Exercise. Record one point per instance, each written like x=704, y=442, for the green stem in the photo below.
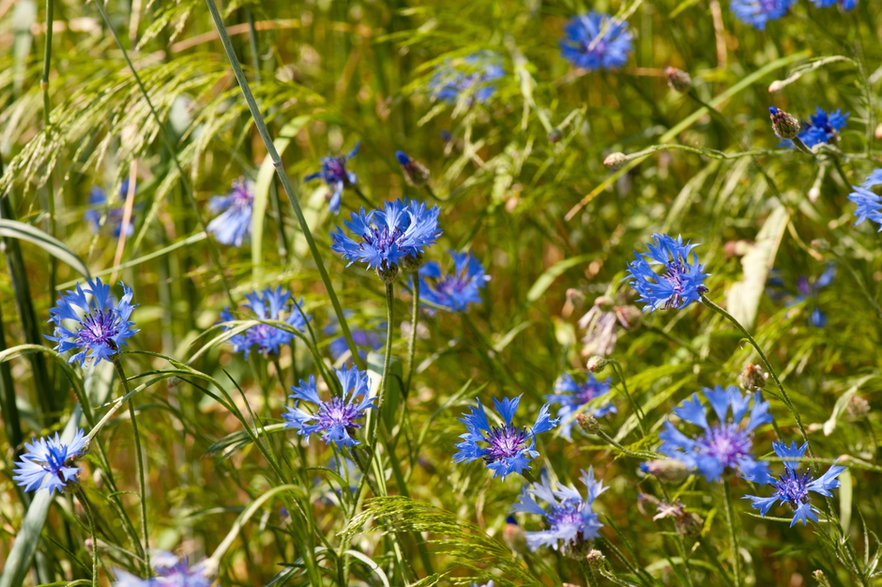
x=414, y=322
x=87, y=507
x=784, y=395
x=638, y=412
x=733, y=533
x=283, y=176
x=163, y=133
x=139, y=461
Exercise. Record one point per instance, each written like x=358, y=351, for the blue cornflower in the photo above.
x=233, y=225
x=759, y=12
x=338, y=178
x=596, y=41
x=869, y=205
x=569, y=517
x=46, y=463
x=454, y=291
x=114, y=217
x=680, y=282
x=337, y=418
x=269, y=304
x=87, y=320
x=793, y=487
x=386, y=238
x=725, y=445
x=805, y=290
x=573, y=395
x=509, y=448
x=824, y=128
x=170, y=572
x=415, y=172
x=845, y=4
x=469, y=78
x=364, y=339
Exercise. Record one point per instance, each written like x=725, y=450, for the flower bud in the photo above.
x=666, y=470
x=857, y=408
x=555, y=135
x=596, y=363
x=595, y=559
x=678, y=80
x=415, y=172
x=785, y=125
x=588, y=423
x=753, y=378
x=615, y=160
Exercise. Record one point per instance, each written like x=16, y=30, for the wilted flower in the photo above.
x=573, y=396
x=759, y=12
x=336, y=419
x=47, y=463
x=384, y=239
x=232, y=226
x=667, y=470
x=686, y=522
x=784, y=124
x=469, y=78
x=603, y=322
x=268, y=304
x=114, y=218
x=88, y=321
x=170, y=572
x=509, y=448
x=725, y=445
x=869, y=205
x=793, y=487
x=596, y=41
x=569, y=518
x=752, y=377
x=456, y=290
x=680, y=282
x=338, y=178
x=415, y=172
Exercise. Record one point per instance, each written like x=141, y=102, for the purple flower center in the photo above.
x=334, y=170
x=565, y=514
x=505, y=442
x=674, y=276
x=98, y=327
x=451, y=285
x=337, y=414
x=793, y=487
x=726, y=443
x=241, y=196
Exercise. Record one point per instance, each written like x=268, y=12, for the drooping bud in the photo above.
x=666, y=470
x=588, y=423
x=857, y=408
x=555, y=135
x=678, y=80
x=596, y=363
x=615, y=160
x=753, y=378
x=785, y=125
x=415, y=172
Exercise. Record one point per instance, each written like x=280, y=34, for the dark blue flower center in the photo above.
x=793, y=487
x=451, y=285
x=565, y=514
x=673, y=274
x=505, y=442
x=336, y=413
x=55, y=459
x=98, y=327
x=334, y=170
x=727, y=443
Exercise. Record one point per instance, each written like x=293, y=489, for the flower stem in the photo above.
x=784, y=395
x=414, y=322
x=87, y=507
x=139, y=460
x=638, y=412
x=733, y=533
x=283, y=176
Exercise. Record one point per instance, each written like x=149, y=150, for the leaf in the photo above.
x=50, y=244
x=846, y=491
x=743, y=297
x=546, y=279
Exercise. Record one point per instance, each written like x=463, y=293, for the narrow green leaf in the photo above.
x=50, y=244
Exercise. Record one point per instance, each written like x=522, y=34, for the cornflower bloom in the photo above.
x=384, y=239
x=336, y=419
x=845, y=4
x=725, y=445
x=573, y=395
x=596, y=41
x=509, y=448
x=268, y=304
x=869, y=205
x=363, y=338
x=170, y=572
x=456, y=290
x=759, y=12
x=806, y=289
x=470, y=78
x=46, y=463
x=232, y=226
x=336, y=176
x=823, y=128
x=793, y=487
x=569, y=517
x=88, y=321
x=114, y=218
x=681, y=281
